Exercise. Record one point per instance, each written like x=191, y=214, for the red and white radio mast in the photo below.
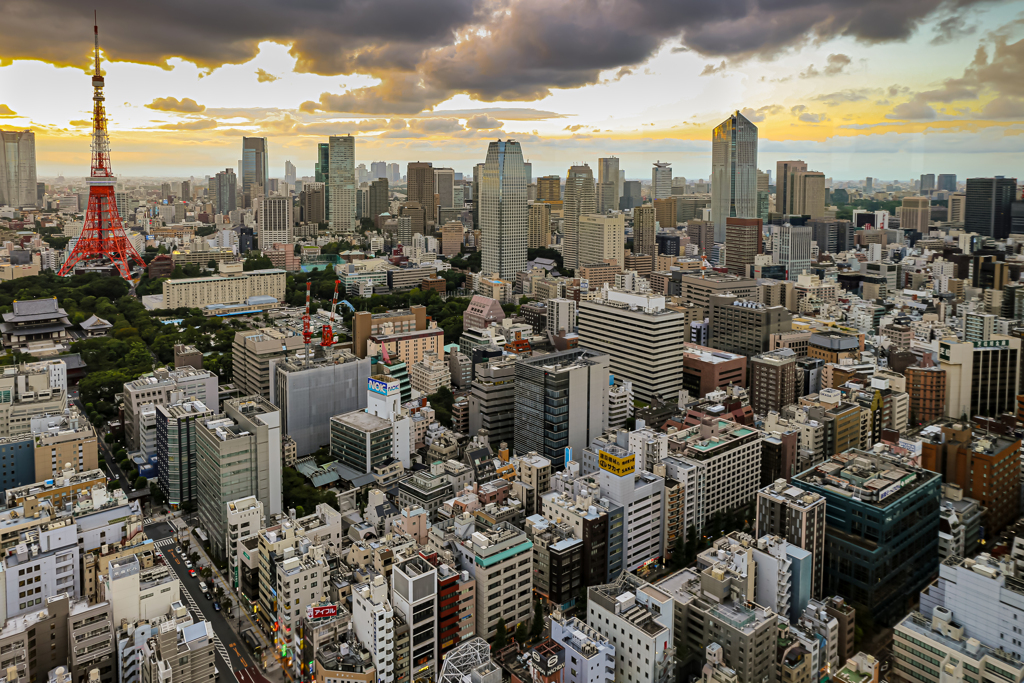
x=103, y=235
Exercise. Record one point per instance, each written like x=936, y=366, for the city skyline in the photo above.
x=828, y=89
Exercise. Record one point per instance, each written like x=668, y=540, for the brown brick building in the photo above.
x=926, y=385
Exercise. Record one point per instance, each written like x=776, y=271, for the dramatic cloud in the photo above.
x=185, y=105
x=808, y=117
x=951, y=28
x=999, y=74
x=263, y=77
x=483, y=122
x=428, y=52
x=199, y=124
x=6, y=112
x=1003, y=108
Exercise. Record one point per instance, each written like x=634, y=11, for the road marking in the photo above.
x=164, y=542
x=216, y=639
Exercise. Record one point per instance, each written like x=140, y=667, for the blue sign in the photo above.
x=377, y=387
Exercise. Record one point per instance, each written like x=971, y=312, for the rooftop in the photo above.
x=866, y=477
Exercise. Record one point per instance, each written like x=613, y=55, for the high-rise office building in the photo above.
x=378, y=169
x=661, y=180
x=608, y=172
x=539, y=225
x=606, y=199
x=378, y=199
x=561, y=400
x=746, y=327
x=322, y=171
x=783, y=193
x=18, y=168
x=223, y=188
x=312, y=201
x=957, y=208
x=915, y=214
x=773, y=381
x=186, y=193
x=987, y=210
x=794, y=249
x=927, y=182
x=444, y=187
x=176, y=450
x=763, y=184
x=341, y=183
x=420, y=187
x=601, y=238
x=946, y=182
x=274, y=221
x=743, y=235
x=631, y=197
x=644, y=240
x=733, y=172
x=289, y=173
x=580, y=200
x=503, y=210
x=665, y=212
x=254, y=168
x=549, y=188
x=869, y=185
x=808, y=191
x=238, y=454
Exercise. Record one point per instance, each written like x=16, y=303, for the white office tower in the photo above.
x=661, y=180
x=18, y=168
x=274, y=221
x=733, y=172
x=384, y=399
x=414, y=597
x=642, y=497
x=794, y=249
x=503, y=210
x=588, y=650
x=341, y=185
x=374, y=620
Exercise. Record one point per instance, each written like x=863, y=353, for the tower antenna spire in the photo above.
x=103, y=236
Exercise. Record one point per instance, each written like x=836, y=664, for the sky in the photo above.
x=883, y=88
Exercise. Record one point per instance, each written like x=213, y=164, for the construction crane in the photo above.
x=307, y=333
x=327, y=331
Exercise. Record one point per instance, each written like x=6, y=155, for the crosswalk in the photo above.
x=147, y=521
x=223, y=651
x=164, y=542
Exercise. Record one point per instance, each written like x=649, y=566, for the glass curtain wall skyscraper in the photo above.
x=254, y=168
x=503, y=210
x=733, y=172
x=341, y=183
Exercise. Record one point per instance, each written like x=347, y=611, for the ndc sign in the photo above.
x=377, y=387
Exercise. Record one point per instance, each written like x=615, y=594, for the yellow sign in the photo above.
x=616, y=465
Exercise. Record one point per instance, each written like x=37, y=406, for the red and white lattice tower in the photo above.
x=103, y=234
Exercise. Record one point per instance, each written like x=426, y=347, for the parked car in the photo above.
x=216, y=606
x=180, y=551
x=192, y=573
x=188, y=565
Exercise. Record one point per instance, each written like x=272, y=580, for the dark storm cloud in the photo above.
x=426, y=52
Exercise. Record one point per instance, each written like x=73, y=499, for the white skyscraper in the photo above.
x=733, y=172
x=17, y=168
x=503, y=210
x=341, y=182
x=661, y=180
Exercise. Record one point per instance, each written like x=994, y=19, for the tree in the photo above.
x=500, y=635
x=212, y=264
x=522, y=634
x=156, y=495
x=141, y=483
x=537, y=627
x=125, y=465
x=300, y=511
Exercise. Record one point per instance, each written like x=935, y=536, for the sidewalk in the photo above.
x=219, y=580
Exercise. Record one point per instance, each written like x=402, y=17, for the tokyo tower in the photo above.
x=103, y=235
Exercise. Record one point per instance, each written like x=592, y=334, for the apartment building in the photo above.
x=492, y=399
x=798, y=516
x=252, y=352
x=502, y=559
x=773, y=381
x=28, y=390
x=415, y=599
x=60, y=440
x=631, y=613
x=592, y=656
x=745, y=326
x=179, y=649
x=727, y=457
